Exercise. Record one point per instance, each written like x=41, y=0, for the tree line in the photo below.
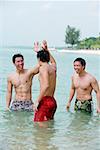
x=72, y=39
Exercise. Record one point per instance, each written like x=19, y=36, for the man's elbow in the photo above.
x=54, y=63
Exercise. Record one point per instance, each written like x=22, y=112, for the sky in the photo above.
x=23, y=22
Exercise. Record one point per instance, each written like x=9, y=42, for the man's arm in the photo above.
x=99, y=84
x=34, y=70
x=9, y=93
x=44, y=84
x=95, y=87
x=52, y=60
x=72, y=92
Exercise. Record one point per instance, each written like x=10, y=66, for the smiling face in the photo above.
x=19, y=63
x=78, y=67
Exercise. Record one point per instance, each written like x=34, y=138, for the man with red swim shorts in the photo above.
x=45, y=105
x=46, y=109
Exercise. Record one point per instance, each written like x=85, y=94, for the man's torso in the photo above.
x=83, y=86
x=22, y=84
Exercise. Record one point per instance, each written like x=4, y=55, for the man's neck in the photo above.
x=20, y=71
x=82, y=73
x=43, y=63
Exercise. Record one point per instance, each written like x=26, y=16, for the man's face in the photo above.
x=78, y=67
x=19, y=63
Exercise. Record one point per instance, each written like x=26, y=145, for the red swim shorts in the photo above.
x=46, y=109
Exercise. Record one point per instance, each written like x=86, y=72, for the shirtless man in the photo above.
x=83, y=83
x=21, y=80
x=45, y=105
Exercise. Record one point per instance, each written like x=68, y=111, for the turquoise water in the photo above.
x=69, y=130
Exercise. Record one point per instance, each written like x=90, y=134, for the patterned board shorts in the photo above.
x=83, y=105
x=19, y=105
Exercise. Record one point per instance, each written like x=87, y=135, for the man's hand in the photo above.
x=44, y=45
x=68, y=106
x=36, y=46
x=35, y=106
x=98, y=110
x=8, y=109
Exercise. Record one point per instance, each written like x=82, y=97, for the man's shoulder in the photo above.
x=90, y=76
x=74, y=75
x=44, y=68
x=11, y=75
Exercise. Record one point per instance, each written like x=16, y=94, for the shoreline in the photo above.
x=97, y=52
x=81, y=51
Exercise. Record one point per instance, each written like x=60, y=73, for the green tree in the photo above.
x=89, y=43
x=72, y=35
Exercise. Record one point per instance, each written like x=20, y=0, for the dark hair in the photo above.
x=81, y=60
x=43, y=56
x=15, y=56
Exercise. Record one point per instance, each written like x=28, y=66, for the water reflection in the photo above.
x=43, y=136
x=80, y=132
x=18, y=129
x=23, y=134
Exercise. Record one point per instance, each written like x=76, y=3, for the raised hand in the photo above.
x=36, y=46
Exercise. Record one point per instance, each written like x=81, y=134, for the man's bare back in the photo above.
x=50, y=70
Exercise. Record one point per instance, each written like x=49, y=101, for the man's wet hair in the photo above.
x=43, y=55
x=15, y=56
x=81, y=60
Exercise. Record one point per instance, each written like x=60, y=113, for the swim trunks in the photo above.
x=46, y=109
x=85, y=105
x=22, y=105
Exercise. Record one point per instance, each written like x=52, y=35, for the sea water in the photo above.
x=69, y=130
